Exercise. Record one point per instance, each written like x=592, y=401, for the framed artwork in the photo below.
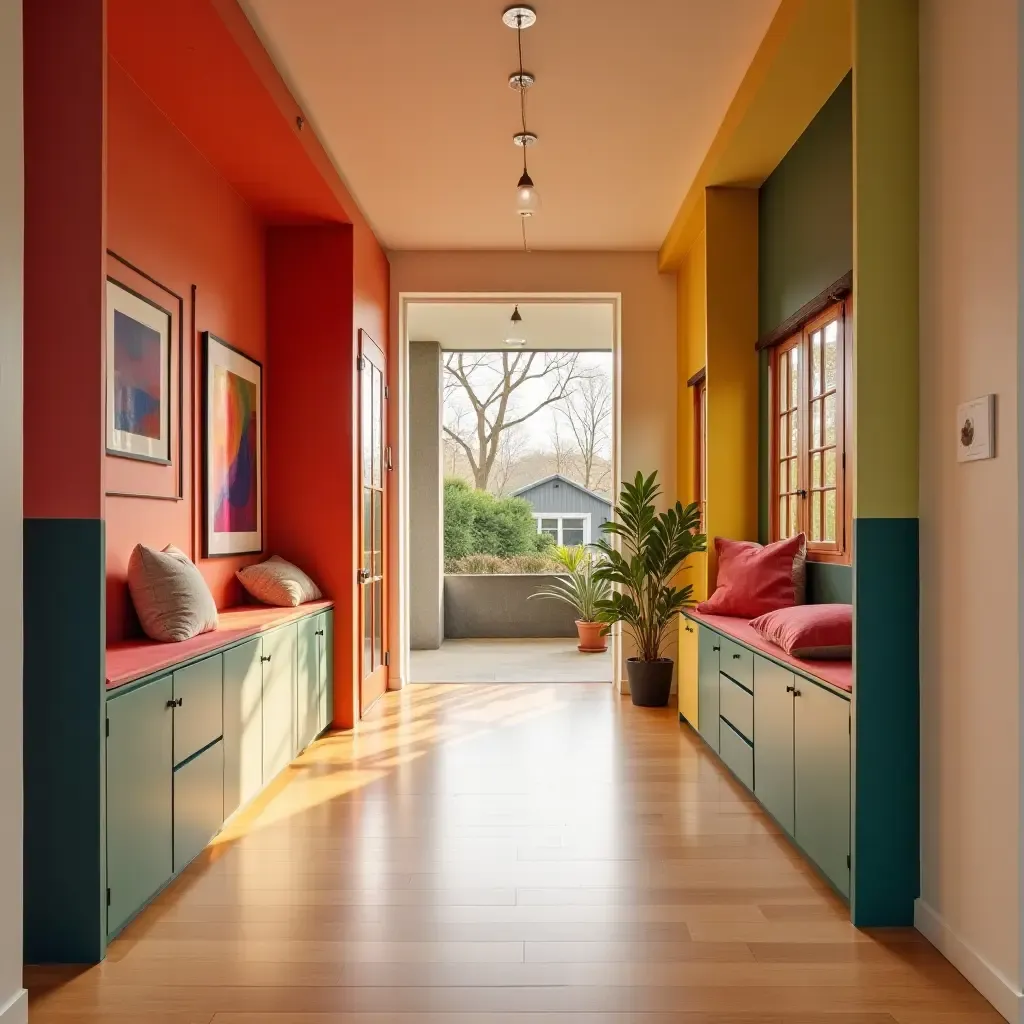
x=233, y=422
x=138, y=376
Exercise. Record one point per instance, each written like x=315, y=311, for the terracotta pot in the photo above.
x=650, y=682
x=592, y=638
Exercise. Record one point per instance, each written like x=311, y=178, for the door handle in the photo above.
x=796, y=693
x=716, y=648
x=387, y=459
x=319, y=632
x=265, y=657
x=176, y=703
x=790, y=689
x=736, y=657
x=362, y=575
x=689, y=629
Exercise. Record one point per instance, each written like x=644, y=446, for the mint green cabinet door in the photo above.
x=278, y=660
x=199, y=716
x=325, y=652
x=307, y=689
x=198, y=803
x=139, y=798
x=709, y=645
x=243, y=724
x=773, y=740
x=821, y=727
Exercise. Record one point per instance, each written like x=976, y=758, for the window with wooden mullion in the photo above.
x=789, y=489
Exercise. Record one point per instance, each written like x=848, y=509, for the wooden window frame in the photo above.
x=839, y=551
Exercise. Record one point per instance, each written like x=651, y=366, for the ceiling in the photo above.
x=411, y=100
x=483, y=326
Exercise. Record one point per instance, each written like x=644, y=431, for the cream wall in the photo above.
x=648, y=343
x=970, y=903
x=13, y=1003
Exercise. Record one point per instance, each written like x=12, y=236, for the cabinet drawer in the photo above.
x=736, y=706
x=198, y=803
x=737, y=662
x=738, y=754
x=199, y=714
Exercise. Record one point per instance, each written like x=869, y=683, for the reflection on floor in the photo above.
x=506, y=855
x=510, y=661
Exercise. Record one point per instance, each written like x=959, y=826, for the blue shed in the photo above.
x=565, y=510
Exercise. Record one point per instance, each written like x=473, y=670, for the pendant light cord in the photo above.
x=522, y=84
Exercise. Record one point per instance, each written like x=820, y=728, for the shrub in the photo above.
x=478, y=523
x=483, y=565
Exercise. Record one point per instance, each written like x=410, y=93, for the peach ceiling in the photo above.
x=411, y=99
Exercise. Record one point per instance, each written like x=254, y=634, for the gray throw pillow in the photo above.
x=170, y=595
x=278, y=582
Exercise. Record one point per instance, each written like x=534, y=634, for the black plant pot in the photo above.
x=649, y=682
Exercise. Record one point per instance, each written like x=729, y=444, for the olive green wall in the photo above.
x=805, y=243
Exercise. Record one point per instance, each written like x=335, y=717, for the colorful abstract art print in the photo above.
x=234, y=450
x=138, y=376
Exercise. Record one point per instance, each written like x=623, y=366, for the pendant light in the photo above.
x=514, y=335
x=527, y=197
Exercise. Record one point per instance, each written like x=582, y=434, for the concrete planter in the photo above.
x=498, y=607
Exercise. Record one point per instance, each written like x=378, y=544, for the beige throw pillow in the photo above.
x=170, y=595
x=278, y=582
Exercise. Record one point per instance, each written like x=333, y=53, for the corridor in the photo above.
x=511, y=855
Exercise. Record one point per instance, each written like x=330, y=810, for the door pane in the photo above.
x=830, y=515
x=794, y=378
x=830, y=419
x=815, y=413
x=830, y=468
x=366, y=422
x=368, y=665
x=378, y=530
x=783, y=517
x=794, y=439
x=794, y=515
x=367, y=527
x=376, y=425
x=816, y=363
x=783, y=384
x=816, y=470
x=377, y=587
x=815, y=498
x=793, y=471
x=783, y=435
x=831, y=353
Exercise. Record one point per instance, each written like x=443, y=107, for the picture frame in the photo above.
x=138, y=376
x=232, y=449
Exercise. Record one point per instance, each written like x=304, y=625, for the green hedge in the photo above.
x=478, y=523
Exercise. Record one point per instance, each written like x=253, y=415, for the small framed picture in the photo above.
x=976, y=429
x=138, y=376
x=233, y=421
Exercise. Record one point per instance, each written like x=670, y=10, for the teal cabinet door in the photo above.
x=773, y=740
x=139, y=798
x=278, y=661
x=243, y=724
x=199, y=714
x=709, y=645
x=198, y=803
x=307, y=689
x=821, y=727
x=325, y=651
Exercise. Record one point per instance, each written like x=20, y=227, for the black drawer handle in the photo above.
x=716, y=648
x=689, y=629
x=790, y=689
x=265, y=657
x=736, y=656
x=176, y=703
x=796, y=693
x=319, y=632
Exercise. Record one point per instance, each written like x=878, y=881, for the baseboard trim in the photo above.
x=15, y=1010
x=988, y=980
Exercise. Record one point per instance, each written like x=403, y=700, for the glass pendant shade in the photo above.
x=527, y=199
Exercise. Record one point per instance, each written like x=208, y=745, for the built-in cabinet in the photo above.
x=186, y=749
x=786, y=737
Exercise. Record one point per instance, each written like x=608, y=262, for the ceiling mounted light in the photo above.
x=518, y=17
x=514, y=336
x=527, y=200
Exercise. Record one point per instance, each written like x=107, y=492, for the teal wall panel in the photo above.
x=65, y=899
x=829, y=584
x=886, y=751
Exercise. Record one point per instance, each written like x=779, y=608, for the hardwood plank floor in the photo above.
x=506, y=855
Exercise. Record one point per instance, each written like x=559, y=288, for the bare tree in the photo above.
x=561, y=446
x=588, y=410
x=489, y=384
x=511, y=448
x=455, y=425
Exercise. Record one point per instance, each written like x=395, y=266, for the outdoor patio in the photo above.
x=510, y=661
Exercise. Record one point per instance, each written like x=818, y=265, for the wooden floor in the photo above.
x=506, y=854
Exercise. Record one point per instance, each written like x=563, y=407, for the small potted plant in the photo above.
x=654, y=548
x=583, y=590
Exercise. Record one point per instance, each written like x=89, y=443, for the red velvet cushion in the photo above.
x=753, y=579
x=823, y=631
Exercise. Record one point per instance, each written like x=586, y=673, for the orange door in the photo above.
x=375, y=463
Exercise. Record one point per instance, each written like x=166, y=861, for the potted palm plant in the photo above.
x=584, y=590
x=655, y=546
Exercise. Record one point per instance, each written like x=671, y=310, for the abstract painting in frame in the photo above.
x=233, y=420
x=138, y=376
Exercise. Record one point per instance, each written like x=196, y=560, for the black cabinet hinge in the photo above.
x=387, y=658
x=108, y=726
x=847, y=862
x=108, y=896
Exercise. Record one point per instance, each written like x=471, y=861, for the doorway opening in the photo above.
x=512, y=426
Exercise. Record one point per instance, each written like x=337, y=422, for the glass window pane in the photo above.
x=366, y=423
x=794, y=436
x=550, y=527
x=378, y=618
x=794, y=376
x=783, y=365
x=378, y=411
x=572, y=536
x=831, y=354
x=830, y=468
x=783, y=435
x=367, y=630
x=794, y=514
x=816, y=470
x=367, y=527
x=793, y=474
x=378, y=531
x=783, y=518
x=783, y=477
x=815, y=413
x=830, y=419
x=816, y=363
x=815, y=499
x=830, y=515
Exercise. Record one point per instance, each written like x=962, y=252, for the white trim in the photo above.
x=559, y=517
x=987, y=979
x=15, y=1010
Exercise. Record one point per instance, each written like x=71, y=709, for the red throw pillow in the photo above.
x=753, y=579
x=823, y=631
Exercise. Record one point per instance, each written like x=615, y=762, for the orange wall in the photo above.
x=172, y=216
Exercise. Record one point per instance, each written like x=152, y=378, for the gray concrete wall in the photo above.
x=489, y=606
x=426, y=504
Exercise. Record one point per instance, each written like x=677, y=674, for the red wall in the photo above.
x=173, y=217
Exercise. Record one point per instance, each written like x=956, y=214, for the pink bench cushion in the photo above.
x=838, y=673
x=132, y=659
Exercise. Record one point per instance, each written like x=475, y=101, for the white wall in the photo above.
x=647, y=435
x=970, y=902
x=13, y=1004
